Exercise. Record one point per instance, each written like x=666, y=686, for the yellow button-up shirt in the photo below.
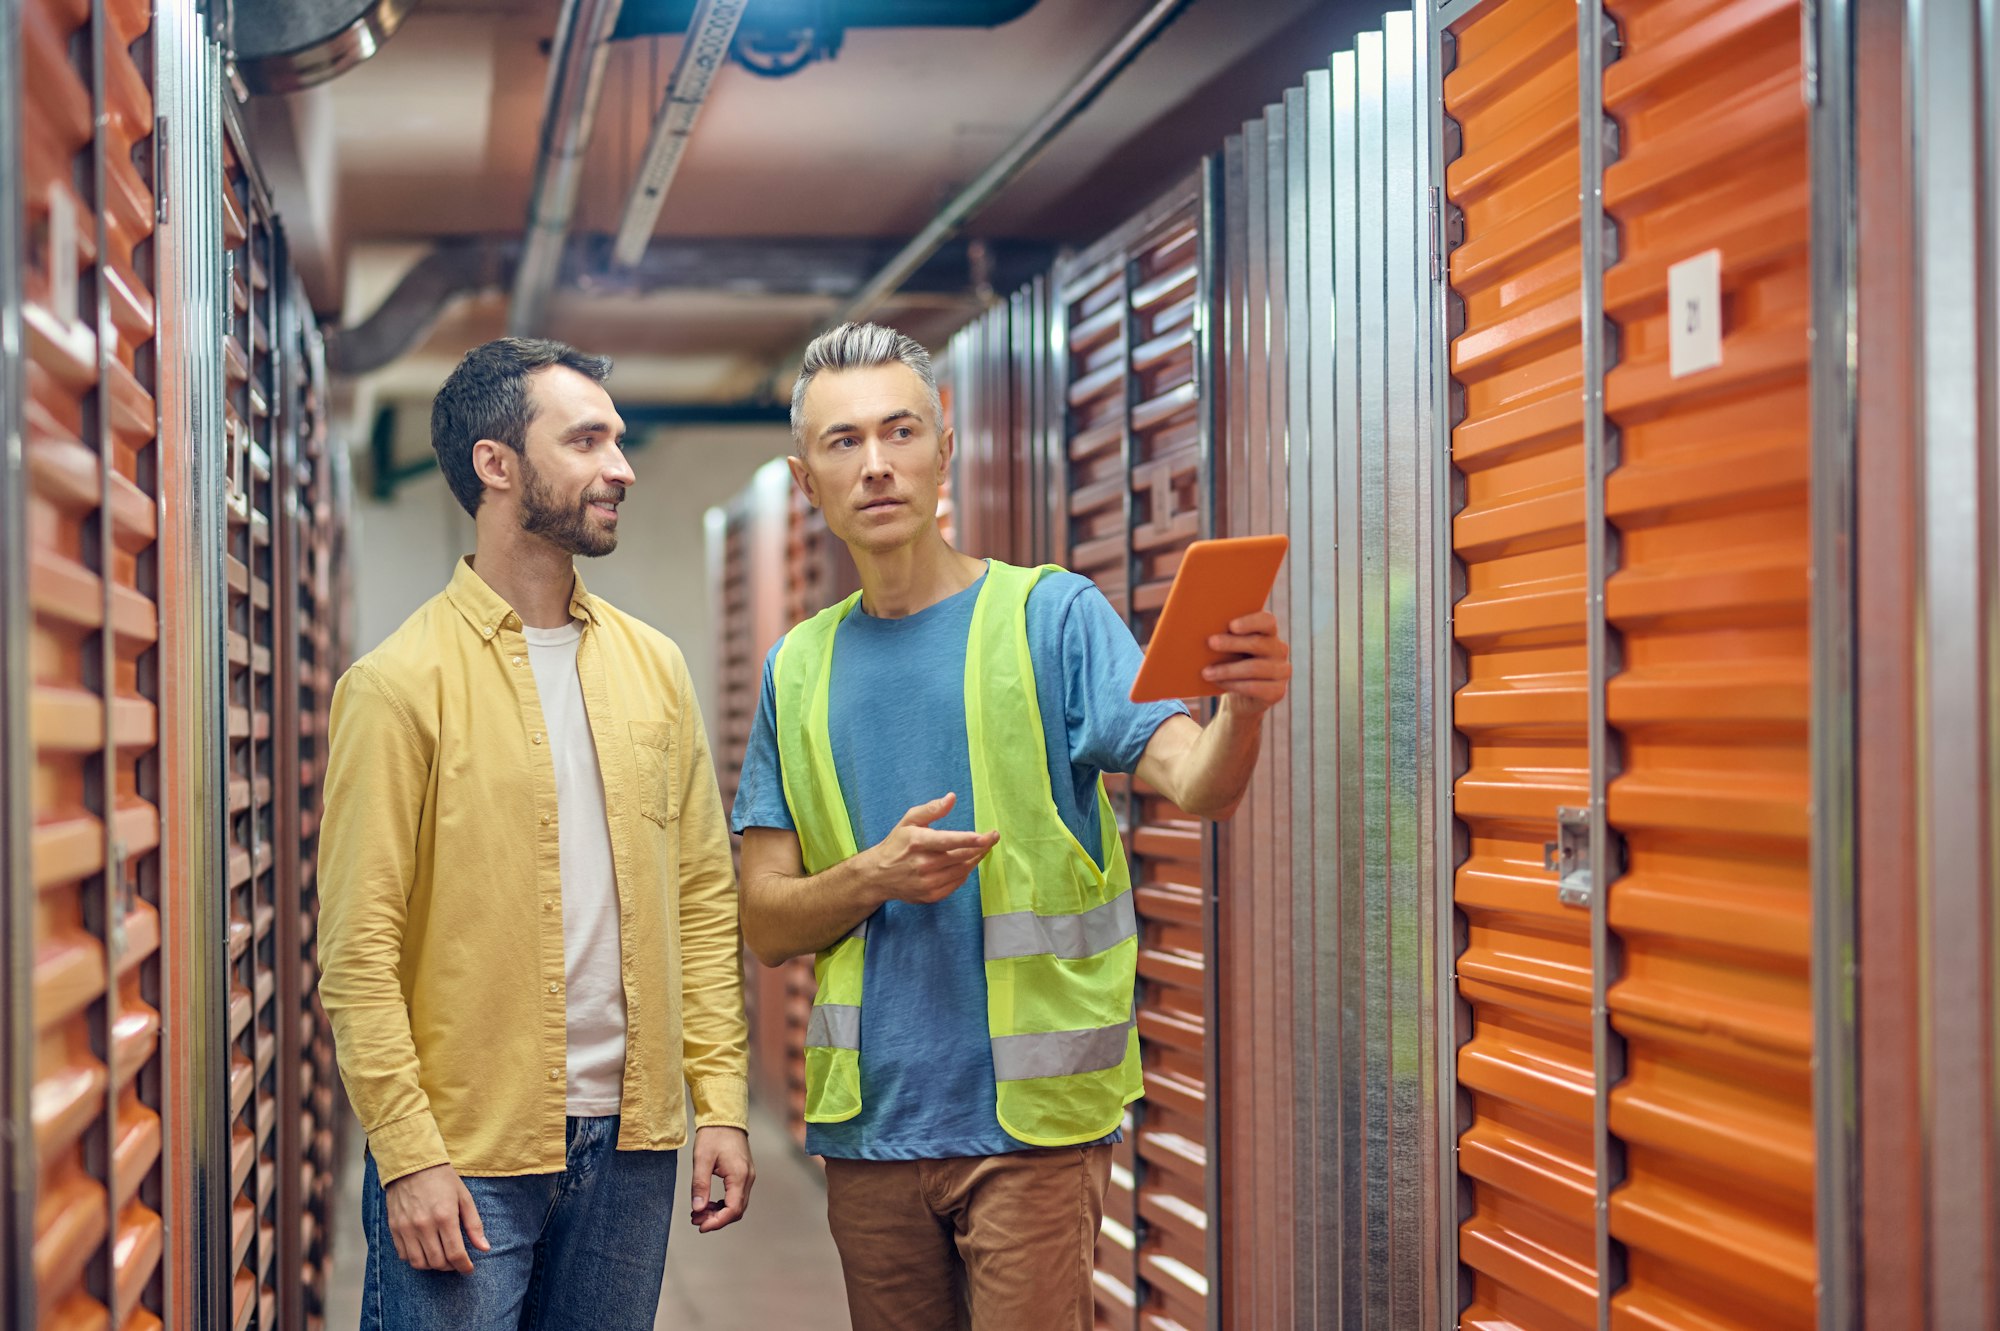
x=440, y=881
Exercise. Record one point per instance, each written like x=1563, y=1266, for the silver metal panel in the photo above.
x=1835, y=1069
x=1320, y=681
x=1371, y=532
x=188, y=243
x=1600, y=457
x=1353, y=952
x=17, y=1044
x=1296, y=481
x=1273, y=861
x=1409, y=1009
x=1245, y=488
x=1954, y=946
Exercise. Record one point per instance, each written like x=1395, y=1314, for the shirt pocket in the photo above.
x=659, y=794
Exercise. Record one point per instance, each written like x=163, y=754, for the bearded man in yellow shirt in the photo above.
x=528, y=925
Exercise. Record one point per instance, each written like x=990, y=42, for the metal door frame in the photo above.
x=1829, y=53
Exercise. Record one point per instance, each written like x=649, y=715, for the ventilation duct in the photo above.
x=780, y=37
x=286, y=45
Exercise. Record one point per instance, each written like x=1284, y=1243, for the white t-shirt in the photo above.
x=596, y=997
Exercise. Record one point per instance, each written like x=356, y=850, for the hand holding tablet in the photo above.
x=1219, y=582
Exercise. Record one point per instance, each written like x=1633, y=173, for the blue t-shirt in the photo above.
x=897, y=722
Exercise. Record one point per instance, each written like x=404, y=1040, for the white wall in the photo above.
x=404, y=549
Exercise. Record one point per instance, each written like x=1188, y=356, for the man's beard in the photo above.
x=567, y=526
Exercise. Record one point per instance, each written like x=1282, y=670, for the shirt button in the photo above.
x=517, y=660
x=549, y=904
x=486, y=632
x=538, y=737
x=545, y=820
x=553, y=987
x=555, y=1074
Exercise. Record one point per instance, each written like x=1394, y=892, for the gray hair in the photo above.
x=855, y=346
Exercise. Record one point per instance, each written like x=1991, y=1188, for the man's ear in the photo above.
x=495, y=463
x=803, y=478
x=947, y=445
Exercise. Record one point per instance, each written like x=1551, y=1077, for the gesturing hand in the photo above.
x=426, y=1210
x=917, y=862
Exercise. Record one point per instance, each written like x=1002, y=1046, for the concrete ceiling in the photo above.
x=436, y=136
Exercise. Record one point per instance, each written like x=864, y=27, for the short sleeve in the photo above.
x=760, y=792
x=1107, y=730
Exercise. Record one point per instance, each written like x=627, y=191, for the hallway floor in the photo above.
x=776, y=1269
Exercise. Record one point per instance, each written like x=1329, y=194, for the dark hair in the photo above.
x=486, y=397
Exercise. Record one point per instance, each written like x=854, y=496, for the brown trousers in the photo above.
x=994, y=1243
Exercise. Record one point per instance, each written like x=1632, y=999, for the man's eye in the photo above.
x=905, y=433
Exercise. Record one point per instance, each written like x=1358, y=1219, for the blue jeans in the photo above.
x=583, y=1250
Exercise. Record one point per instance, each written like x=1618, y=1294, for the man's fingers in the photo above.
x=931, y=839
x=455, y=1254
x=432, y=1249
x=1258, y=644
x=402, y=1252
x=1263, y=622
x=468, y=1216
x=923, y=815
x=1257, y=668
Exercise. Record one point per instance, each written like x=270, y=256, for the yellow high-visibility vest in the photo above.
x=1062, y=937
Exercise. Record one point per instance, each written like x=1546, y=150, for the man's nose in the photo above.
x=874, y=458
x=618, y=471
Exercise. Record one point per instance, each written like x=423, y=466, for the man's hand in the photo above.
x=916, y=862
x=426, y=1210
x=724, y=1151
x=1255, y=684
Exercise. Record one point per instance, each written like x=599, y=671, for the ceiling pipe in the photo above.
x=1018, y=156
x=827, y=268
x=710, y=32
x=576, y=82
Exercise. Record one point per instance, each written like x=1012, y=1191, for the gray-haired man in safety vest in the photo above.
x=921, y=806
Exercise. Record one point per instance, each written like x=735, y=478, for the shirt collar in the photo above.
x=488, y=614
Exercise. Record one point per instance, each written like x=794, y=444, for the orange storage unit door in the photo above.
x=1518, y=449
x=1641, y=633
x=1137, y=488
x=87, y=625
x=1710, y=603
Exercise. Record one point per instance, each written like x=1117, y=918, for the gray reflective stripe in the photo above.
x=834, y=1026
x=1026, y=934
x=1059, y=1053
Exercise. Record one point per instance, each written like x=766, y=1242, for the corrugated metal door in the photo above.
x=1526, y=1073
x=1710, y=601
x=999, y=370
x=307, y=621
x=93, y=623
x=1138, y=488
x=252, y=884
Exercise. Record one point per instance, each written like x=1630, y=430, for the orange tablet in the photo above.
x=1219, y=581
